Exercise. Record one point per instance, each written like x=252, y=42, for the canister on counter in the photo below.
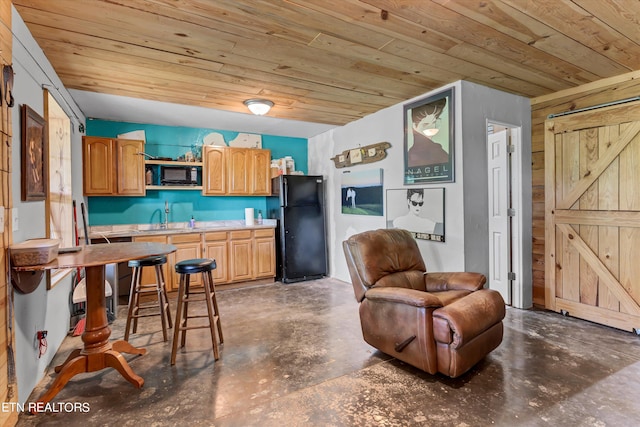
x=290, y=164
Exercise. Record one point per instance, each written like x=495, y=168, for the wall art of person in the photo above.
x=424, y=150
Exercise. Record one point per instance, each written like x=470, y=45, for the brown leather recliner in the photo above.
x=437, y=322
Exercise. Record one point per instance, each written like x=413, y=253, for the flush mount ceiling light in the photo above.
x=430, y=132
x=259, y=107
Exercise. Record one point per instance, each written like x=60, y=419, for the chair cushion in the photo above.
x=447, y=297
x=377, y=254
x=412, y=279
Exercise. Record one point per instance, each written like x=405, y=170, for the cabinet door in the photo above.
x=265, y=256
x=260, y=172
x=98, y=166
x=214, y=175
x=240, y=256
x=188, y=246
x=149, y=273
x=238, y=162
x=130, y=167
x=218, y=251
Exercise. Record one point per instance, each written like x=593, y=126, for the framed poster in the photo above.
x=34, y=156
x=418, y=210
x=362, y=192
x=429, y=139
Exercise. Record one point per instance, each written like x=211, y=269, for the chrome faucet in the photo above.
x=165, y=225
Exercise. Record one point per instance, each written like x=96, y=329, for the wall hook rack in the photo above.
x=361, y=155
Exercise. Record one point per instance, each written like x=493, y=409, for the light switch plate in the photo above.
x=1, y=219
x=14, y=219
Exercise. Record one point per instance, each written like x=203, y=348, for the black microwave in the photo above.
x=178, y=175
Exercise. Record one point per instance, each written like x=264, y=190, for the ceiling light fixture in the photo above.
x=259, y=107
x=430, y=132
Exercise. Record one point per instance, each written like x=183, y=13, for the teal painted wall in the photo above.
x=170, y=141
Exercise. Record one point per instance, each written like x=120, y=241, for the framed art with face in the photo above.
x=428, y=139
x=418, y=210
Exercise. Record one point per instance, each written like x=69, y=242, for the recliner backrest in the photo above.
x=374, y=255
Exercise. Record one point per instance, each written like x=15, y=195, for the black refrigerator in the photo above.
x=297, y=203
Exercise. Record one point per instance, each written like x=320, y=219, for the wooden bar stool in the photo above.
x=185, y=295
x=138, y=289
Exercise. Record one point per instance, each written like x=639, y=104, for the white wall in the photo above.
x=466, y=207
x=41, y=309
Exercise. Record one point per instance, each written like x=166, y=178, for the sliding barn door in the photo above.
x=592, y=215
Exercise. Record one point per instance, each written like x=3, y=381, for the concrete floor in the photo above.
x=294, y=356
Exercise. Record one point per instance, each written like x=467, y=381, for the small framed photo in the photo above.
x=34, y=156
x=418, y=210
x=362, y=192
x=429, y=139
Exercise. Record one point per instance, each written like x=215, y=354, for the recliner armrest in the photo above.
x=403, y=296
x=468, y=317
x=435, y=282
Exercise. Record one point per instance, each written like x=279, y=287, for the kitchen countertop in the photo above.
x=131, y=230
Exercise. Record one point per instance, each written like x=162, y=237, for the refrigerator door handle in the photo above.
x=285, y=190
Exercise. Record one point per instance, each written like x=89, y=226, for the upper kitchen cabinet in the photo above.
x=236, y=171
x=113, y=167
x=214, y=170
x=260, y=173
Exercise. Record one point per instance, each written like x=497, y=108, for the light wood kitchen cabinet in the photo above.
x=264, y=253
x=217, y=248
x=214, y=171
x=240, y=256
x=113, y=167
x=260, y=172
x=188, y=246
x=239, y=171
x=236, y=171
x=149, y=273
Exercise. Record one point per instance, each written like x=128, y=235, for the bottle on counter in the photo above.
x=192, y=222
x=290, y=164
x=260, y=217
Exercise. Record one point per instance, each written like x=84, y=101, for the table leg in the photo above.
x=98, y=353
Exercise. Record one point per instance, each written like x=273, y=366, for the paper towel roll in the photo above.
x=248, y=216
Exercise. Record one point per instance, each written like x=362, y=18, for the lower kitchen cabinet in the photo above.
x=216, y=247
x=189, y=246
x=149, y=273
x=264, y=253
x=241, y=255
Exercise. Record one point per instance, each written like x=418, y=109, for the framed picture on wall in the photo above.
x=362, y=192
x=34, y=156
x=418, y=210
x=428, y=139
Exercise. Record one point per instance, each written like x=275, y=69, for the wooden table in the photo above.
x=98, y=353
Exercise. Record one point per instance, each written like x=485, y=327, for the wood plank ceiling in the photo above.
x=330, y=61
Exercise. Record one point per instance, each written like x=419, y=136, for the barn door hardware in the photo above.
x=361, y=155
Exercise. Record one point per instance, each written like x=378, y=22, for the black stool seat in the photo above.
x=149, y=261
x=198, y=265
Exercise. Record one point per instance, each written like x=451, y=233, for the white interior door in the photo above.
x=499, y=224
